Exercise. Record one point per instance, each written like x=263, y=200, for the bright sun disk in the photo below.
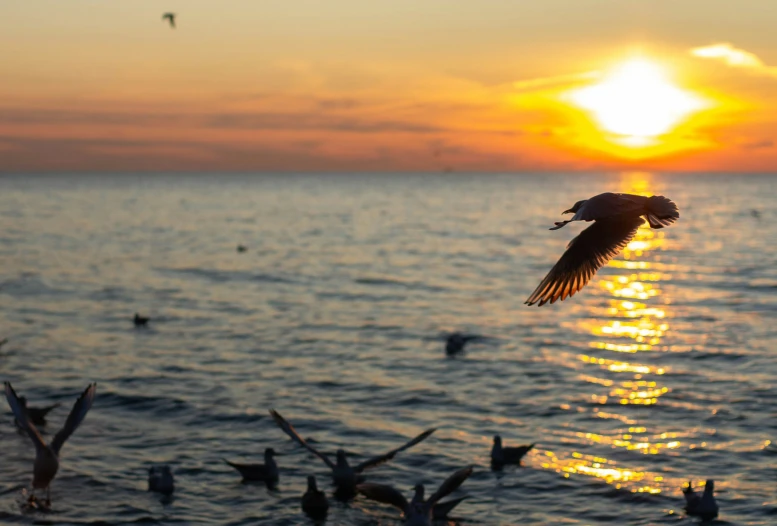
x=637, y=103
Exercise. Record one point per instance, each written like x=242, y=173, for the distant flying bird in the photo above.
x=705, y=507
x=314, y=502
x=416, y=512
x=47, y=456
x=616, y=219
x=36, y=415
x=455, y=343
x=171, y=18
x=160, y=480
x=344, y=476
x=140, y=321
x=267, y=472
x=501, y=456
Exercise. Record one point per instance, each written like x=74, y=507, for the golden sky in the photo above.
x=400, y=85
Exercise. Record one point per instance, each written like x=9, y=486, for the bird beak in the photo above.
x=570, y=211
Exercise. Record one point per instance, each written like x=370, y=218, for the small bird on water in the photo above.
x=140, y=321
x=36, y=415
x=47, y=455
x=314, y=501
x=267, y=472
x=616, y=219
x=344, y=476
x=170, y=17
x=160, y=480
x=704, y=507
x=456, y=342
x=417, y=512
x=501, y=456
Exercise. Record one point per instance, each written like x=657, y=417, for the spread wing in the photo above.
x=384, y=494
x=289, y=430
x=587, y=253
x=450, y=485
x=388, y=456
x=76, y=416
x=21, y=416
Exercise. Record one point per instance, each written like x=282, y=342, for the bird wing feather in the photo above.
x=21, y=416
x=76, y=416
x=374, y=461
x=450, y=485
x=289, y=430
x=585, y=254
x=384, y=494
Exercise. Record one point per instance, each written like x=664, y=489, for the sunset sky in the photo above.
x=405, y=85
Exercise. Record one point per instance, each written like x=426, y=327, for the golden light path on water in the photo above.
x=635, y=320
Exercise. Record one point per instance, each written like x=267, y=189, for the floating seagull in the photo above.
x=267, y=472
x=47, y=456
x=417, y=512
x=440, y=510
x=705, y=506
x=616, y=219
x=501, y=456
x=242, y=248
x=170, y=17
x=140, y=321
x=344, y=476
x=314, y=501
x=36, y=415
x=455, y=343
x=160, y=479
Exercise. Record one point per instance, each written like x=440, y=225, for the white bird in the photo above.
x=160, y=479
x=616, y=219
x=705, y=507
x=47, y=456
x=171, y=18
x=344, y=476
x=417, y=512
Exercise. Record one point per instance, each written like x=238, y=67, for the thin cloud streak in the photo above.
x=556, y=80
x=735, y=58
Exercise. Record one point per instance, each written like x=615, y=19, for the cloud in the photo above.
x=758, y=145
x=735, y=58
x=557, y=80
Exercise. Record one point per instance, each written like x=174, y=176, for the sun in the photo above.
x=637, y=102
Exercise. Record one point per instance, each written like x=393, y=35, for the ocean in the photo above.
x=662, y=370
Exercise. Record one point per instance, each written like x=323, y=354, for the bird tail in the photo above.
x=661, y=211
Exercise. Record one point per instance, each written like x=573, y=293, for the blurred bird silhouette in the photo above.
x=36, y=415
x=704, y=507
x=160, y=480
x=502, y=456
x=169, y=17
x=267, y=472
x=456, y=342
x=314, y=502
x=616, y=219
x=140, y=321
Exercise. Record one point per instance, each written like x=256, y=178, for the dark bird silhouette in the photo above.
x=502, y=456
x=170, y=17
x=160, y=480
x=344, y=476
x=36, y=415
x=242, y=248
x=3, y=341
x=416, y=512
x=314, y=501
x=704, y=507
x=140, y=321
x=267, y=472
x=47, y=455
x=440, y=510
x=616, y=219
x=456, y=342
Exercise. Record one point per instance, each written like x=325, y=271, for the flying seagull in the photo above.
x=47, y=456
x=344, y=476
x=171, y=18
x=267, y=472
x=314, y=502
x=501, y=456
x=616, y=219
x=417, y=512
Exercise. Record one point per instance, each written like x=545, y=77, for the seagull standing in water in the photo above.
x=344, y=476
x=616, y=219
x=47, y=456
x=171, y=18
x=417, y=512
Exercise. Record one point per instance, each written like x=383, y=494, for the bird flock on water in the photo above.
x=615, y=217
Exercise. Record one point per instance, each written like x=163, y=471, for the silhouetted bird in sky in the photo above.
x=314, y=501
x=47, y=455
x=140, y=321
x=171, y=18
x=616, y=219
x=502, y=456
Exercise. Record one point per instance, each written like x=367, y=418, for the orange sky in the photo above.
x=348, y=85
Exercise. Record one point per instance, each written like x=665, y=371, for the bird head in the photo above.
x=269, y=452
x=419, y=491
x=709, y=486
x=575, y=208
x=497, y=440
x=312, y=483
x=341, y=456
